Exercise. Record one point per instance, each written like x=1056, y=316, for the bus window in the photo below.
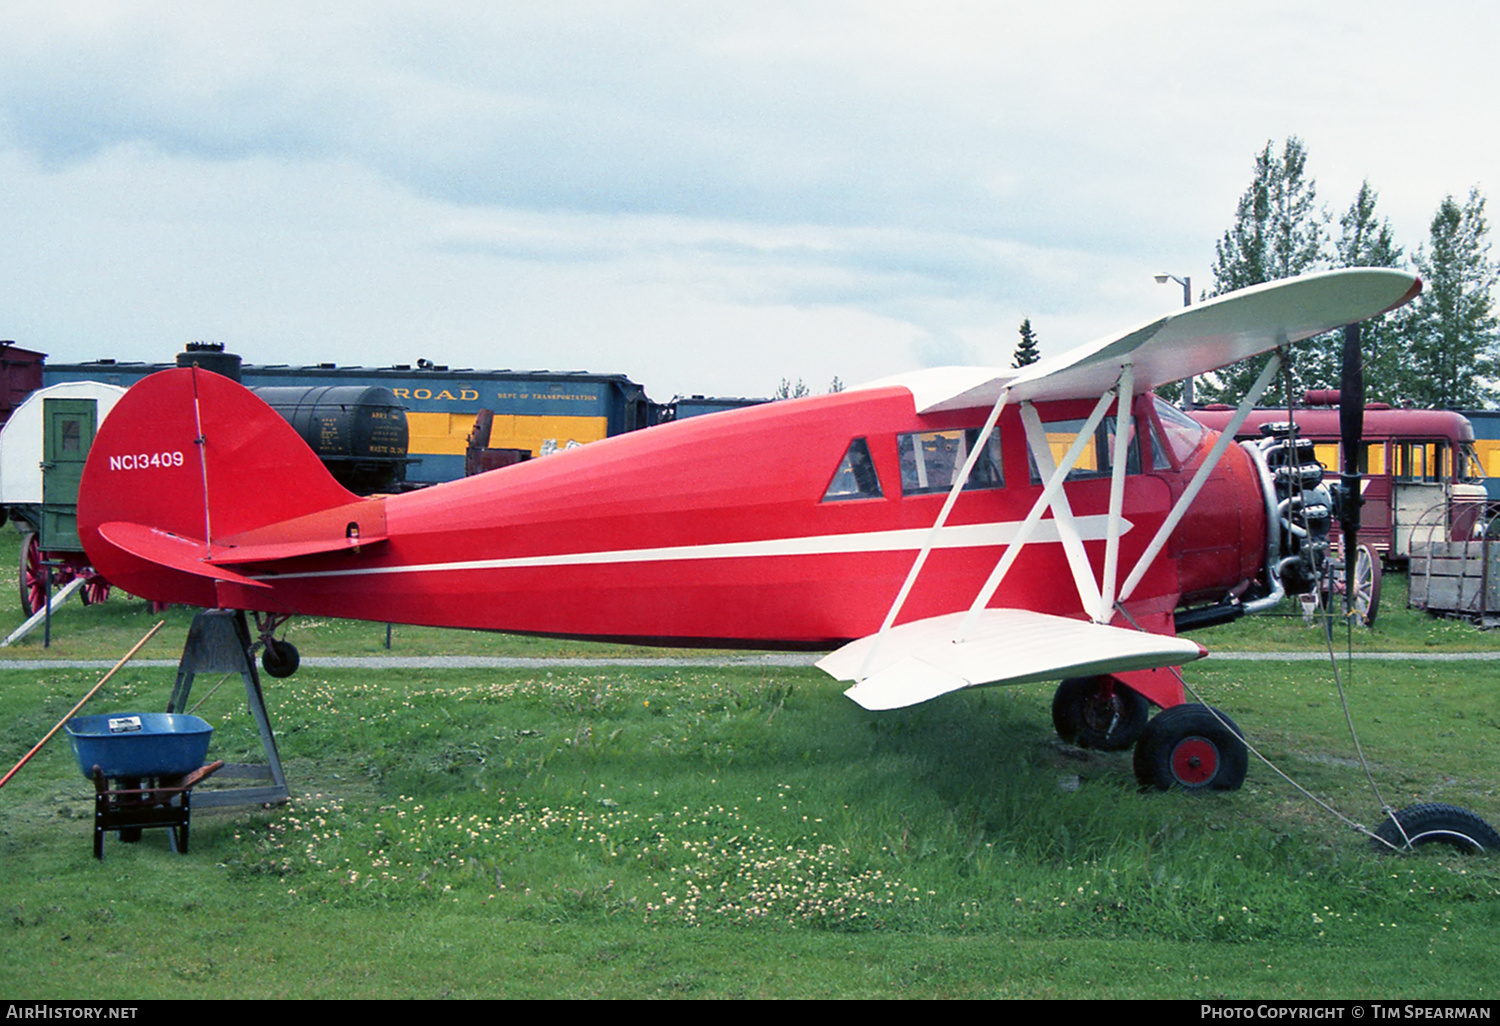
x=1419, y=461
x=1469, y=467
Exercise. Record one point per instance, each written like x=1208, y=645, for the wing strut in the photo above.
x=1098, y=596
x=1212, y=460
x=1043, y=454
x=1121, y=457
x=932, y=535
x=1062, y=509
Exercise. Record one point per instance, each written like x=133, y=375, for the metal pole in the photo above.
x=1187, y=300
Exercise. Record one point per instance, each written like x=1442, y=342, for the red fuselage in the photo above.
x=730, y=529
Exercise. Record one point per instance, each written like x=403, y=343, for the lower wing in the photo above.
x=920, y=660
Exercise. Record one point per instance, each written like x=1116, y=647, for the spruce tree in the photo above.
x=1027, y=352
x=1278, y=232
x=1453, y=358
x=1365, y=240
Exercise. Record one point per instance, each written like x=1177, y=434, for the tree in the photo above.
x=836, y=385
x=1027, y=352
x=1453, y=360
x=787, y=390
x=1278, y=232
x=1365, y=240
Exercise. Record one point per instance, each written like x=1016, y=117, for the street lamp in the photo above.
x=1187, y=300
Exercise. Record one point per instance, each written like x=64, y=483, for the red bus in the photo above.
x=1420, y=465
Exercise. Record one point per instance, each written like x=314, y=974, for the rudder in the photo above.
x=193, y=458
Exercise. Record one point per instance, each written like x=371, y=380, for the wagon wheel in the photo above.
x=1364, y=585
x=33, y=575
x=95, y=589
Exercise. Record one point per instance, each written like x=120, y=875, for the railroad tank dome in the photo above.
x=211, y=357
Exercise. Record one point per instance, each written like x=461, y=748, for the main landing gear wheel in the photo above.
x=1437, y=824
x=1099, y=713
x=1192, y=747
x=280, y=659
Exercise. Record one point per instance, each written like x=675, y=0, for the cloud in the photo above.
x=856, y=184
x=635, y=108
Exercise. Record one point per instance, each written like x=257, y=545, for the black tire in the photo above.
x=280, y=659
x=1099, y=713
x=1433, y=823
x=1191, y=747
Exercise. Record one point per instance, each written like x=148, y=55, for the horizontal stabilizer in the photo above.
x=270, y=553
x=920, y=660
x=169, y=550
x=351, y=527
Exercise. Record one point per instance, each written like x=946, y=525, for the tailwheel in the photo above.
x=280, y=659
x=1192, y=747
x=1099, y=713
x=1434, y=823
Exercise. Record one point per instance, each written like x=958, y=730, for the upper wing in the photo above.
x=920, y=660
x=1195, y=340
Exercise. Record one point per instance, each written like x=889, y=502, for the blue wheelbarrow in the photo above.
x=155, y=759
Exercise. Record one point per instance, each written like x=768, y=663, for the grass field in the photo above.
x=746, y=832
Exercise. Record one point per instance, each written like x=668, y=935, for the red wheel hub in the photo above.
x=1195, y=761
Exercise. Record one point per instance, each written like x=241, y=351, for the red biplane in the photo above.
x=942, y=529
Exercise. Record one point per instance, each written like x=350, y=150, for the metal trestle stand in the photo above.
x=219, y=642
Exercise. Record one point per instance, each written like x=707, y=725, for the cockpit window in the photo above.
x=1183, y=432
x=930, y=460
x=856, y=477
x=1097, y=457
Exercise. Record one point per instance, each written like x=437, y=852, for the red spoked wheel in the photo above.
x=1191, y=747
x=33, y=575
x=95, y=589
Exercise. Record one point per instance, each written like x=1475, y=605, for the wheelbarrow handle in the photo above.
x=123, y=660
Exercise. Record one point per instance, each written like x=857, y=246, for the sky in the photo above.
x=706, y=196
